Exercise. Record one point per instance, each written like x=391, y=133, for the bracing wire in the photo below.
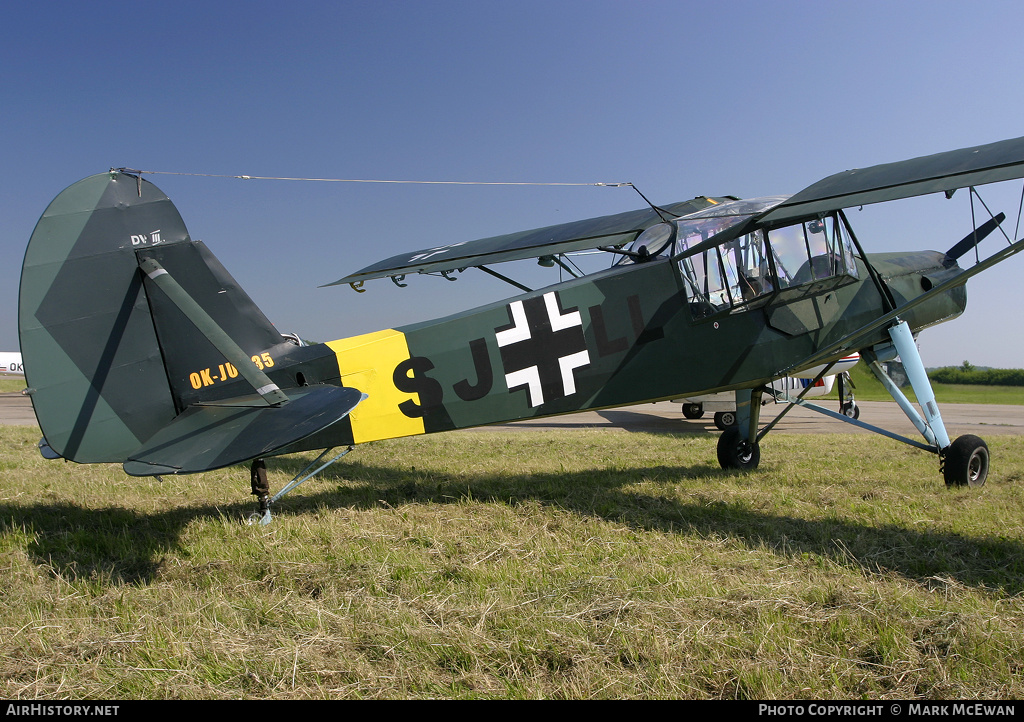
x=373, y=180
x=596, y=184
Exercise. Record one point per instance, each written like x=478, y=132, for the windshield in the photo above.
x=747, y=269
x=706, y=223
x=665, y=239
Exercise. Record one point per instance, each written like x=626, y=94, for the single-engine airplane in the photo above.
x=141, y=349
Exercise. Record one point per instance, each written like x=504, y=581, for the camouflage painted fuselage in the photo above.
x=619, y=337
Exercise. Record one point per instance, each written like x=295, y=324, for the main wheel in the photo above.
x=725, y=419
x=851, y=410
x=966, y=462
x=735, y=452
x=693, y=411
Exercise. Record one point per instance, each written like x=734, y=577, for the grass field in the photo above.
x=868, y=388
x=573, y=564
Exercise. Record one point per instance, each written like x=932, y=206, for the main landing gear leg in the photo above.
x=737, y=446
x=965, y=461
x=847, y=404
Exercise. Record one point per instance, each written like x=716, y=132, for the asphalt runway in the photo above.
x=666, y=417
x=16, y=410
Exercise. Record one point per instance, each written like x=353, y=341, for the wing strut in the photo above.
x=506, y=279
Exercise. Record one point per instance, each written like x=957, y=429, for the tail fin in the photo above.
x=112, y=358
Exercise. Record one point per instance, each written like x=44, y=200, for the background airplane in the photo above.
x=809, y=384
x=10, y=364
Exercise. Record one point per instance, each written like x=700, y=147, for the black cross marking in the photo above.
x=541, y=347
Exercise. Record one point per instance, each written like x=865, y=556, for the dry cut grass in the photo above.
x=577, y=564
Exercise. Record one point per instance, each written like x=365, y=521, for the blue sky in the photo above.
x=680, y=98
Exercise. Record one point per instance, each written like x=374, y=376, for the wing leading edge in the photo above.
x=612, y=230
x=942, y=172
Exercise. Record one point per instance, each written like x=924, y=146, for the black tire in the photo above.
x=693, y=411
x=851, y=410
x=966, y=462
x=734, y=452
x=725, y=419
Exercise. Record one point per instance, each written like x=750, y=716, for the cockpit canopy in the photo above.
x=750, y=264
x=661, y=239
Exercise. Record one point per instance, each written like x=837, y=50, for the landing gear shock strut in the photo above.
x=260, y=485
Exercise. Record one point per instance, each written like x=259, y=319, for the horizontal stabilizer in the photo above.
x=212, y=436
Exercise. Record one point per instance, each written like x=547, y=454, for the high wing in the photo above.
x=612, y=230
x=942, y=172
x=938, y=173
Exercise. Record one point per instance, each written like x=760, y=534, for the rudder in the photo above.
x=109, y=358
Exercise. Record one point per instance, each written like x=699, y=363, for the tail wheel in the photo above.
x=735, y=452
x=965, y=462
x=725, y=419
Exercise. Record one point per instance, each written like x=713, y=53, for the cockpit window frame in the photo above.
x=742, y=292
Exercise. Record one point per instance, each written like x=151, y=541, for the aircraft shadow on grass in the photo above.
x=126, y=546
